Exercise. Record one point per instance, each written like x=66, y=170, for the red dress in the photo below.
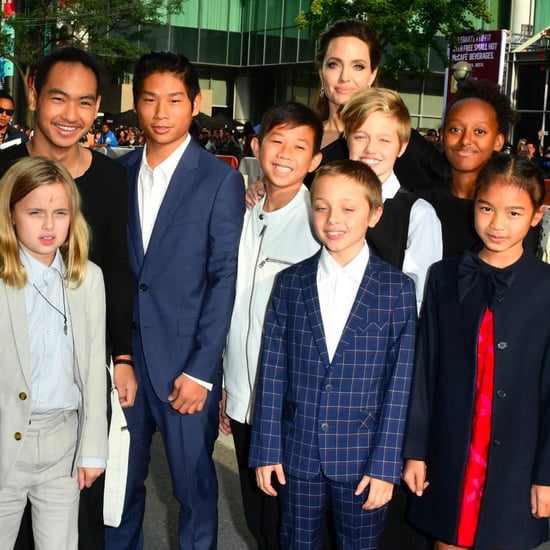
x=476, y=466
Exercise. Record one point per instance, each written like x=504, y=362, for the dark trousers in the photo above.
x=189, y=443
x=261, y=511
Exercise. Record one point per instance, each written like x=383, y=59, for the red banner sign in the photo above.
x=484, y=51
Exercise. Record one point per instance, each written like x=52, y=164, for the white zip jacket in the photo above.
x=270, y=242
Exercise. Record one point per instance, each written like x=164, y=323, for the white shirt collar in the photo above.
x=168, y=165
x=329, y=267
x=37, y=271
x=390, y=187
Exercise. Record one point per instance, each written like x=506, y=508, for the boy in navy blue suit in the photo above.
x=184, y=223
x=336, y=370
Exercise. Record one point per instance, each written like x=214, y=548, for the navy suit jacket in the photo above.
x=184, y=285
x=344, y=417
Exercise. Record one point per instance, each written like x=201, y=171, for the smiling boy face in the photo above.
x=376, y=143
x=67, y=105
x=286, y=155
x=342, y=215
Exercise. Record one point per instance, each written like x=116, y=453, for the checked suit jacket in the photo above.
x=345, y=418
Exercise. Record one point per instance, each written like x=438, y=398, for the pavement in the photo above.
x=161, y=512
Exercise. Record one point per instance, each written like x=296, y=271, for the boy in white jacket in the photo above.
x=276, y=233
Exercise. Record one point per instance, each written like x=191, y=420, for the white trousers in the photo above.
x=42, y=475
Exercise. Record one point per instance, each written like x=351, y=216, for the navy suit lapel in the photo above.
x=134, y=223
x=365, y=300
x=313, y=308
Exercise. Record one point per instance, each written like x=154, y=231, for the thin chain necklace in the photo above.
x=62, y=313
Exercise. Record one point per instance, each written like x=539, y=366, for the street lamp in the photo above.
x=462, y=70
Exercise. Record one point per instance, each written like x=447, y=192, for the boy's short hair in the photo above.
x=364, y=103
x=356, y=171
x=292, y=114
x=166, y=62
x=489, y=92
x=68, y=54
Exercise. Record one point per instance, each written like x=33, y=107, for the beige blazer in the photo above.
x=87, y=312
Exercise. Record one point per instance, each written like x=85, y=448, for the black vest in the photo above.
x=388, y=238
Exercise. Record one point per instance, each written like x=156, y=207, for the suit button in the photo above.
x=328, y=387
x=324, y=427
x=496, y=442
x=502, y=345
x=17, y=436
x=501, y=394
x=22, y=396
x=143, y=287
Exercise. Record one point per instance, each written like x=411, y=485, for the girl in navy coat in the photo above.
x=477, y=444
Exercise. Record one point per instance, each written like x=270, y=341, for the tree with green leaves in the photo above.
x=111, y=29
x=405, y=28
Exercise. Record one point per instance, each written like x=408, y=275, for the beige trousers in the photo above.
x=42, y=475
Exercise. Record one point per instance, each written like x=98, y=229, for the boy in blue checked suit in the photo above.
x=336, y=369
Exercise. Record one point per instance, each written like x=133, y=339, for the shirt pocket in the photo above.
x=368, y=419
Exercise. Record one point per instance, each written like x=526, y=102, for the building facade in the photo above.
x=249, y=54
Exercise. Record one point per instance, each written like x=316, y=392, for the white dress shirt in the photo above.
x=424, y=239
x=337, y=287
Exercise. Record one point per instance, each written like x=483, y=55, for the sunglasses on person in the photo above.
x=9, y=112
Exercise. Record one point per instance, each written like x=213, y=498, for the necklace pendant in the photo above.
x=65, y=327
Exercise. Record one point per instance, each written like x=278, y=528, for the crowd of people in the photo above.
x=372, y=330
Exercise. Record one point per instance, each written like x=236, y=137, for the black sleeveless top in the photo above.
x=388, y=239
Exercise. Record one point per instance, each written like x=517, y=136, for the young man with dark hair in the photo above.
x=66, y=99
x=8, y=133
x=184, y=223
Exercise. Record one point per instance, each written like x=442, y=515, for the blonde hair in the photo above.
x=22, y=178
x=364, y=103
x=354, y=170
